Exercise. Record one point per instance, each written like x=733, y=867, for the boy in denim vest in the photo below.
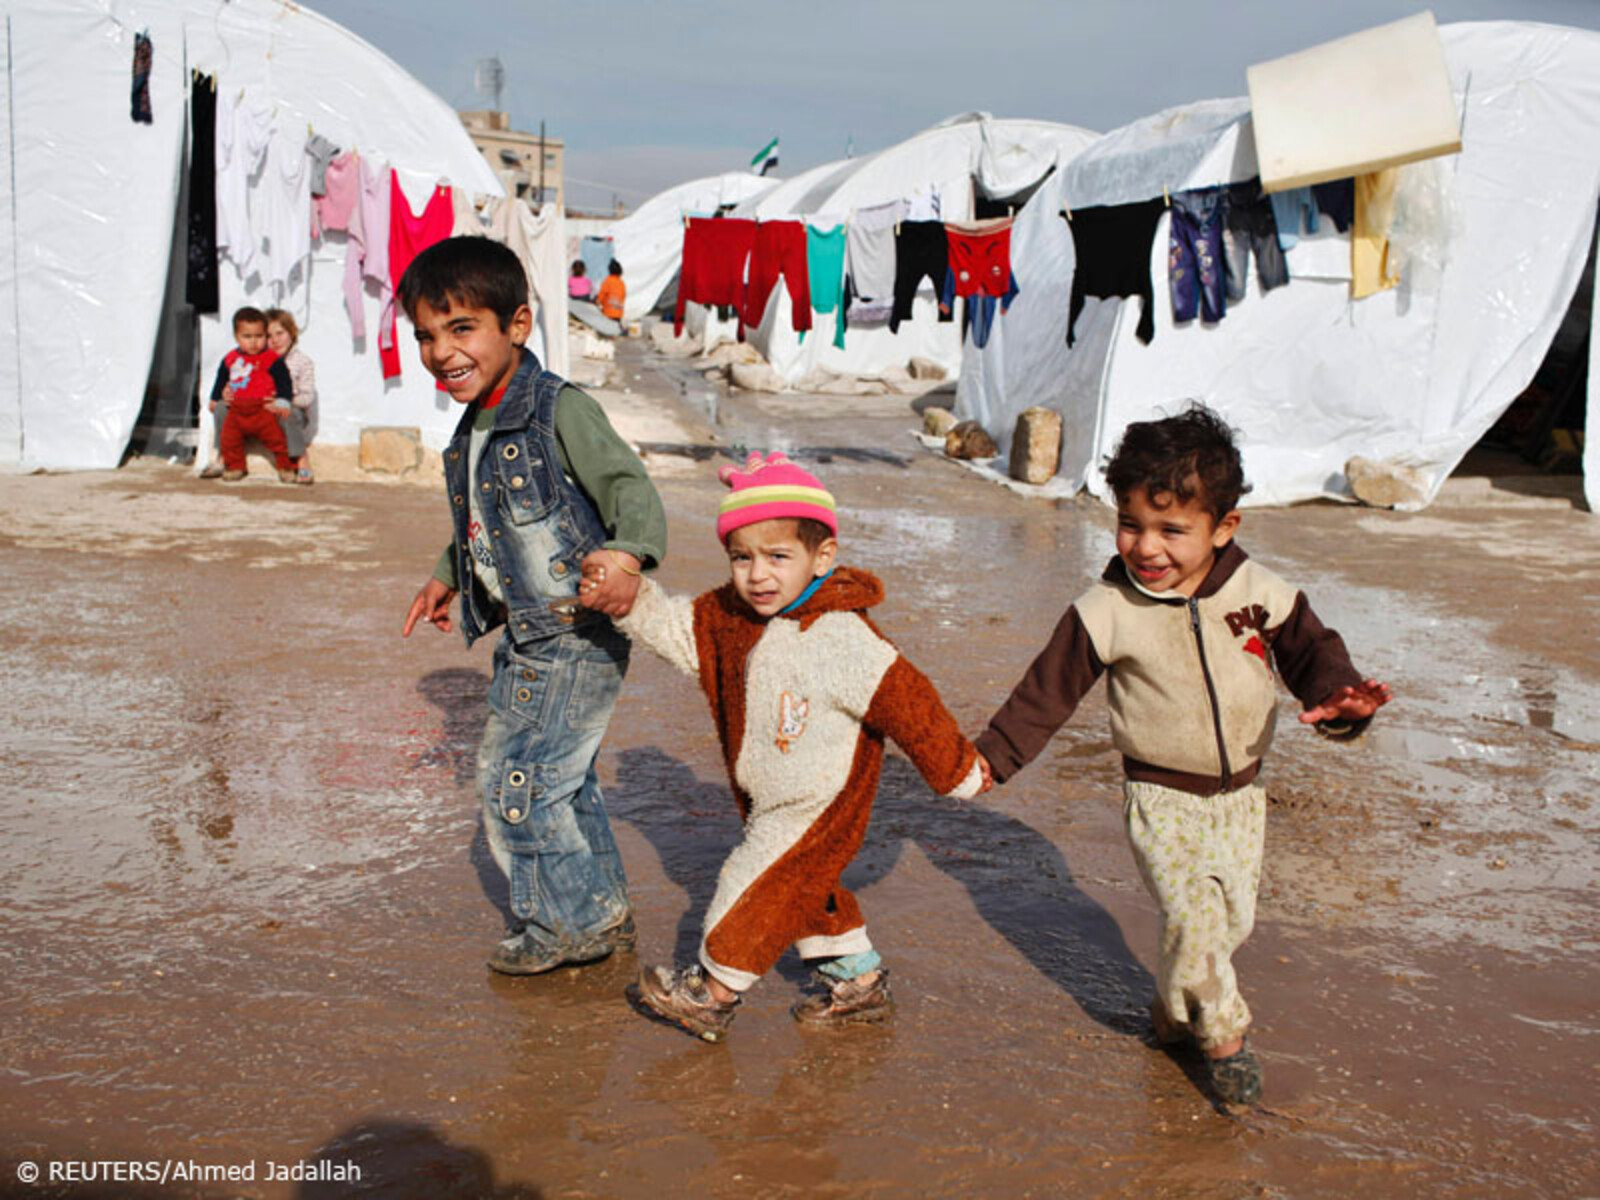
x=541, y=489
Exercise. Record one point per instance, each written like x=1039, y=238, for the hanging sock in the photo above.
x=144, y=53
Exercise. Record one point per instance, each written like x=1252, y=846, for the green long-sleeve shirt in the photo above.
x=610, y=474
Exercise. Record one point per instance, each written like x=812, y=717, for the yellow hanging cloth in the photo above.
x=1369, y=234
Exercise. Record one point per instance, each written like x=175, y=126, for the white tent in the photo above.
x=958, y=160
x=92, y=201
x=1414, y=376
x=649, y=241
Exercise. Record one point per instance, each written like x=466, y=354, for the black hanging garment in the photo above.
x=1252, y=228
x=1112, y=243
x=921, y=250
x=200, y=285
x=143, y=55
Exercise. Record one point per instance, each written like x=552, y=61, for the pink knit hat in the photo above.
x=772, y=487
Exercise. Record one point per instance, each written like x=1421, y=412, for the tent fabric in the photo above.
x=87, y=255
x=973, y=150
x=1413, y=376
x=649, y=242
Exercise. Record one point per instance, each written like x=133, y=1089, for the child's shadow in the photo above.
x=1018, y=880
x=458, y=693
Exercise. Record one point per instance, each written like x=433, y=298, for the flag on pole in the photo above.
x=767, y=159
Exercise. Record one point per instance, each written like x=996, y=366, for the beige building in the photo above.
x=514, y=155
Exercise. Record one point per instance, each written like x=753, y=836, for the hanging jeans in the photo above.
x=1194, y=255
x=1251, y=227
x=979, y=319
x=779, y=250
x=921, y=251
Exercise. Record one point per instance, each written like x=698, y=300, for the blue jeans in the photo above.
x=543, y=814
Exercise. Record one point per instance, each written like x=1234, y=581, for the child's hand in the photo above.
x=283, y=406
x=432, y=605
x=987, y=772
x=1350, y=703
x=211, y=406
x=610, y=582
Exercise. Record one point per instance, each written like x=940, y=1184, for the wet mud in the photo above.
x=247, y=899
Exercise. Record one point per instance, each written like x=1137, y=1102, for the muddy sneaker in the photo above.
x=683, y=998
x=624, y=935
x=524, y=954
x=1237, y=1078
x=287, y=475
x=211, y=472
x=847, y=1001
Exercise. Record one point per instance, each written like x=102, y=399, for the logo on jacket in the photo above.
x=1257, y=647
x=791, y=720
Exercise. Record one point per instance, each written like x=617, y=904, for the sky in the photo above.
x=649, y=93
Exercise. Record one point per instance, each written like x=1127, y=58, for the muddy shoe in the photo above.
x=523, y=954
x=847, y=1001
x=211, y=472
x=624, y=935
x=683, y=998
x=232, y=476
x=1237, y=1078
x=287, y=475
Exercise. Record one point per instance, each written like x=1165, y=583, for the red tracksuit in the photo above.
x=247, y=382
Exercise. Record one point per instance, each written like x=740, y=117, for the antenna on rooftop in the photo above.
x=489, y=78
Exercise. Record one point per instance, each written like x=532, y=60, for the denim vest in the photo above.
x=539, y=523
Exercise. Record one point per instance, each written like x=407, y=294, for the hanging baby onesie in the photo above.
x=921, y=251
x=241, y=142
x=979, y=260
x=1249, y=227
x=321, y=152
x=144, y=53
x=366, y=255
x=200, y=281
x=1195, y=264
x=715, y=253
x=825, y=272
x=1369, y=234
x=1112, y=243
x=779, y=250
x=409, y=235
x=281, y=209
x=338, y=210
x=869, y=263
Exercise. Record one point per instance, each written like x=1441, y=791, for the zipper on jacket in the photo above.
x=1211, y=691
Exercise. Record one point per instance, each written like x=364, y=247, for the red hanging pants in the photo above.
x=780, y=249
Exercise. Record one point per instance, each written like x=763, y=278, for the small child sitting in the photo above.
x=579, y=285
x=1187, y=631
x=613, y=293
x=249, y=376
x=803, y=689
x=283, y=335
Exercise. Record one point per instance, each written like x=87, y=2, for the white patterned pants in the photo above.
x=1200, y=856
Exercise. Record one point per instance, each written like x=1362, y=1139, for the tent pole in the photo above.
x=16, y=278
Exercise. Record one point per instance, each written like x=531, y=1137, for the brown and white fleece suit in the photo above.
x=802, y=702
x=1191, y=687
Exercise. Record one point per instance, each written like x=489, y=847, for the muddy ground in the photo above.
x=246, y=898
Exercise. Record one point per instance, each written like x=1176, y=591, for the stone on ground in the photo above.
x=936, y=421
x=969, y=440
x=391, y=449
x=1386, y=484
x=1036, y=445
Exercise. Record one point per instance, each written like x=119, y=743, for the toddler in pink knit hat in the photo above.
x=803, y=690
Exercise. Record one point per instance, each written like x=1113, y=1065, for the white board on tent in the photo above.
x=1375, y=99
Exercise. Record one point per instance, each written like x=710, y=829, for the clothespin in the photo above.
x=897, y=229
x=1166, y=196
x=1067, y=213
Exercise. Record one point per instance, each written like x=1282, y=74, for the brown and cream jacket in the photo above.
x=1191, y=681
x=802, y=701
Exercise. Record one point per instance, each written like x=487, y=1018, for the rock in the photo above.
x=391, y=449
x=925, y=368
x=894, y=375
x=662, y=339
x=726, y=353
x=969, y=440
x=936, y=421
x=1386, y=484
x=1036, y=445
x=825, y=383
x=754, y=377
